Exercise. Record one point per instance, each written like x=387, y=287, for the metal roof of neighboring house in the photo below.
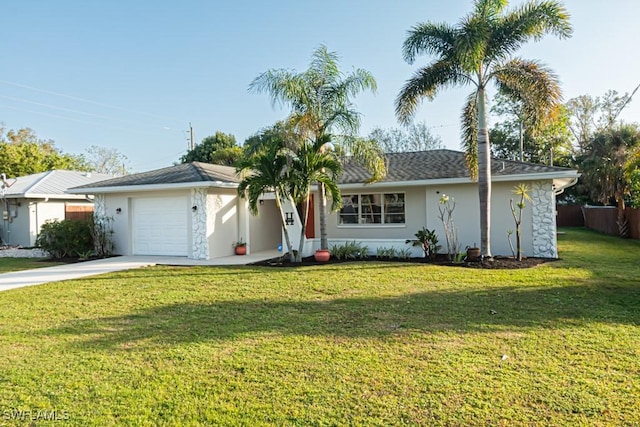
x=186, y=173
x=51, y=184
x=438, y=165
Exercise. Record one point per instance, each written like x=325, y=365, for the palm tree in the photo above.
x=263, y=172
x=478, y=51
x=310, y=165
x=606, y=164
x=322, y=111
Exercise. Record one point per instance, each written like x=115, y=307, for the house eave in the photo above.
x=560, y=176
x=152, y=187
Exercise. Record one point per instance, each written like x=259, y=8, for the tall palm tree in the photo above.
x=322, y=111
x=263, y=172
x=478, y=51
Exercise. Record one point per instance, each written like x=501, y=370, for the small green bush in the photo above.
x=349, y=250
x=383, y=252
x=66, y=238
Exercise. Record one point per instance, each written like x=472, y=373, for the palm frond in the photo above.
x=530, y=21
x=469, y=134
x=535, y=86
x=426, y=82
x=431, y=39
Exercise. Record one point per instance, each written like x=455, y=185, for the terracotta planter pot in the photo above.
x=473, y=254
x=241, y=250
x=322, y=255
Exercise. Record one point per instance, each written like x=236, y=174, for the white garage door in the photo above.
x=160, y=226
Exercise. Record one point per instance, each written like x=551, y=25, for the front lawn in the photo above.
x=345, y=344
x=16, y=264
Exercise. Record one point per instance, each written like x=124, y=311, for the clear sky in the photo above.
x=132, y=74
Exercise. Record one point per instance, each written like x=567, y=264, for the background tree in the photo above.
x=107, y=160
x=23, y=153
x=478, y=51
x=220, y=148
x=322, y=112
x=519, y=136
x=415, y=137
x=607, y=170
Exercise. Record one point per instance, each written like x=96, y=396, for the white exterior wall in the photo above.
x=422, y=211
x=265, y=231
x=223, y=223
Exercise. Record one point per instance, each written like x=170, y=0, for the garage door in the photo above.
x=160, y=226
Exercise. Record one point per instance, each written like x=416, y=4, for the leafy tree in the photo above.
x=415, y=137
x=607, y=168
x=531, y=139
x=591, y=115
x=22, y=153
x=107, y=160
x=220, y=148
x=322, y=112
x=478, y=51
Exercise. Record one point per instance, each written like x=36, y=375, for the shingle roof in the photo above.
x=180, y=174
x=50, y=184
x=436, y=164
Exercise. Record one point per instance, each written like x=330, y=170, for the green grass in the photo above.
x=16, y=264
x=349, y=344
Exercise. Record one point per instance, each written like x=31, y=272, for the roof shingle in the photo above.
x=436, y=164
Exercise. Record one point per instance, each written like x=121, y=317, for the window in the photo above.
x=386, y=208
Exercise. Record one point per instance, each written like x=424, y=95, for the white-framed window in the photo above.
x=372, y=208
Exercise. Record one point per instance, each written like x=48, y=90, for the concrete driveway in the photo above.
x=18, y=279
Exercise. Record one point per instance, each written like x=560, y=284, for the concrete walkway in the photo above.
x=38, y=276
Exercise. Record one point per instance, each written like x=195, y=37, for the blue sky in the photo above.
x=133, y=74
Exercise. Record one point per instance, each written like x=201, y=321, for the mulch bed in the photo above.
x=498, y=262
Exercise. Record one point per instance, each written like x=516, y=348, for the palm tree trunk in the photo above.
x=484, y=176
x=304, y=219
x=324, y=242
x=284, y=226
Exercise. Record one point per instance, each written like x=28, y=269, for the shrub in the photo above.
x=66, y=238
x=427, y=240
x=404, y=253
x=349, y=250
x=102, y=234
x=383, y=252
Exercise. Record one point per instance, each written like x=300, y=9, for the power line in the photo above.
x=75, y=98
x=76, y=120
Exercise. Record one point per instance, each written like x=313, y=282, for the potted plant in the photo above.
x=240, y=247
x=473, y=253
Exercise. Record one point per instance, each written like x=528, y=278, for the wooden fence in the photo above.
x=599, y=218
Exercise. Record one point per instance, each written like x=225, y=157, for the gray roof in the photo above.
x=52, y=184
x=437, y=164
x=180, y=174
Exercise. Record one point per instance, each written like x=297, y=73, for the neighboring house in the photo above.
x=29, y=201
x=193, y=210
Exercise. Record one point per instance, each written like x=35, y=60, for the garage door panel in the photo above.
x=160, y=226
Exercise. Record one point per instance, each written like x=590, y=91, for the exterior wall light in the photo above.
x=194, y=208
x=119, y=210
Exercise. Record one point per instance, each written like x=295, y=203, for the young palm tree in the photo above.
x=322, y=111
x=265, y=171
x=309, y=166
x=478, y=51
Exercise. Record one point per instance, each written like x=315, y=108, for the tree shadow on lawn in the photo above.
x=500, y=309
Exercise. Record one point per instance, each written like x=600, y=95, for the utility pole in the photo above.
x=191, y=137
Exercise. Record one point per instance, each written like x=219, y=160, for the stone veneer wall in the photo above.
x=200, y=243
x=544, y=220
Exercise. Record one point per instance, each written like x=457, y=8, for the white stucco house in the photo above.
x=29, y=201
x=193, y=210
